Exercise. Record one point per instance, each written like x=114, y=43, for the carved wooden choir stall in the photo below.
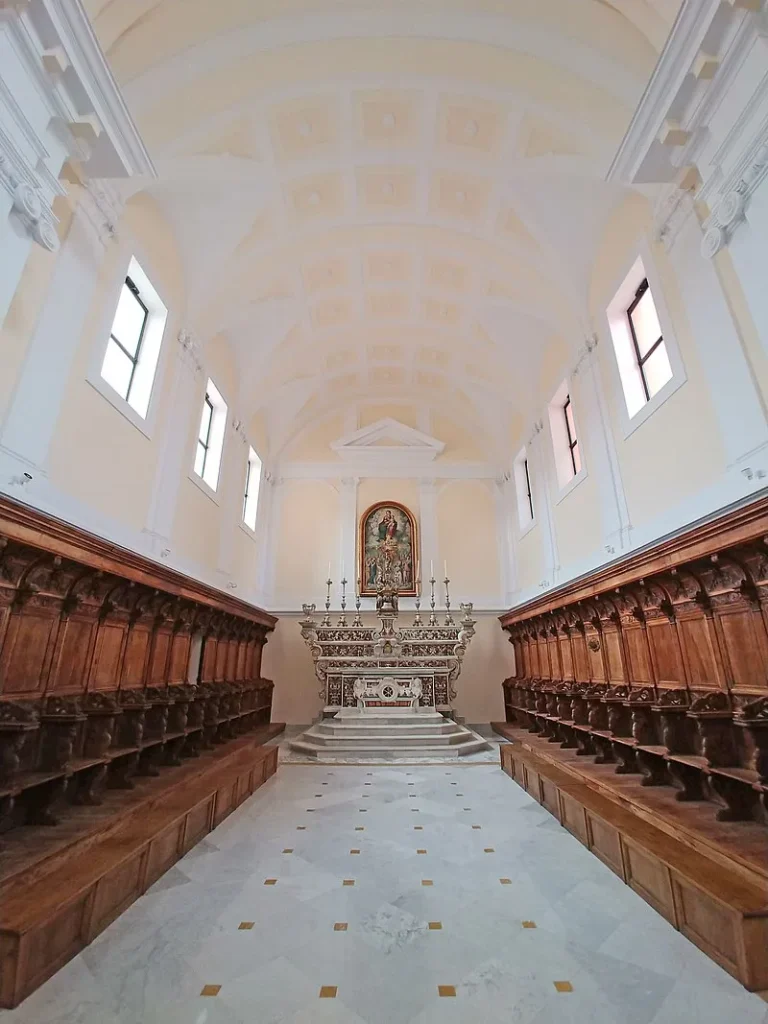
x=132, y=710
x=639, y=717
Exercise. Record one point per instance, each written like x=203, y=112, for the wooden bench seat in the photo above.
x=49, y=915
x=721, y=909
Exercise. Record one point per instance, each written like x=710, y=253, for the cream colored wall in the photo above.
x=313, y=443
x=488, y=661
x=529, y=552
x=460, y=444
x=677, y=451
x=306, y=541
x=97, y=454
x=668, y=460
x=288, y=662
x=100, y=460
x=578, y=523
x=373, y=413
x=404, y=491
x=467, y=539
x=19, y=323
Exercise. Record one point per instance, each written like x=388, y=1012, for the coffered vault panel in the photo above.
x=395, y=201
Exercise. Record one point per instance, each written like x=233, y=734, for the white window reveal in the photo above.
x=565, y=438
x=252, y=483
x=133, y=346
x=522, y=474
x=210, y=436
x=647, y=356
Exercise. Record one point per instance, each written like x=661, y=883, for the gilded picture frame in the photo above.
x=388, y=538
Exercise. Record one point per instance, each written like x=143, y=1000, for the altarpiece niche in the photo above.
x=387, y=549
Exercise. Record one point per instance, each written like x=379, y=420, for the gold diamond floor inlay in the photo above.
x=427, y=881
x=421, y=851
x=489, y=849
x=563, y=986
x=435, y=926
x=354, y=851
x=210, y=990
x=506, y=881
x=359, y=828
x=245, y=926
x=328, y=992
x=446, y=990
x=270, y=881
x=287, y=851
x=529, y=924
x=477, y=826
x=340, y=926
x=348, y=881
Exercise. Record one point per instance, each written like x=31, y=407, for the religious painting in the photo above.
x=387, y=545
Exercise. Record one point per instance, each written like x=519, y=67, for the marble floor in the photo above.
x=390, y=895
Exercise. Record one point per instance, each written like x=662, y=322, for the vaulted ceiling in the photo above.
x=384, y=198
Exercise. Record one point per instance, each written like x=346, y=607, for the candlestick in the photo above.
x=448, y=616
x=358, y=621
x=432, y=618
x=327, y=617
x=343, y=616
x=417, y=620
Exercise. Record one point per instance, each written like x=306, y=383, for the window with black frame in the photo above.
x=648, y=340
x=204, y=437
x=528, y=495
x=252, y=483
x=570, y=429
x=125, y=341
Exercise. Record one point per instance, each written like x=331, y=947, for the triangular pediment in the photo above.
x=388, y=439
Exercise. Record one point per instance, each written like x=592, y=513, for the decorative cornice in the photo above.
x=442, y=470
x=672, y=69
x=108, y=109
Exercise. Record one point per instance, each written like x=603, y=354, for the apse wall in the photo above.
x=297, y=699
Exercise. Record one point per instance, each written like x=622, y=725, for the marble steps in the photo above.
x=386, y=739
x=378, y=734
x=377, y=716
x=346, y=750
x=402, y=729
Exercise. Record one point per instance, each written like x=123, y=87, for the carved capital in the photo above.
x=30, y=205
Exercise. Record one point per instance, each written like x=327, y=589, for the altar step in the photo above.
x=382, y=735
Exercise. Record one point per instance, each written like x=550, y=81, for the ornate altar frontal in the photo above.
x=413, y=667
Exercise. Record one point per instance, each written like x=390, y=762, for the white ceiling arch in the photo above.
x=372, y=196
